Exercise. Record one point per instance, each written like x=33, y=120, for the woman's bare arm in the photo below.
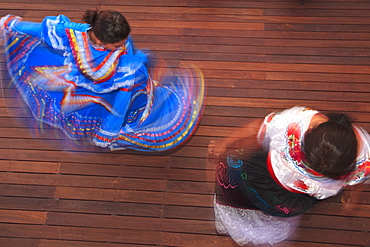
x=250, y=130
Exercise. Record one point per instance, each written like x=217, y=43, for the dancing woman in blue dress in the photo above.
x=88, y=80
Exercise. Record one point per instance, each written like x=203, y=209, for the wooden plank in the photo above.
x=133, y=196
x=126, y=222
x=357, y=210
x=330, y=222
x=205, y=227
x=189, y=199
x=190, y=24
x=188, y=212
x=316, y=27
x=284, y=104
x=201, y=41
x=274, y=34
x=215, y=56
x=190, y=174
x=80, y=206
x=30, y=167
x=23, y=217
x=193, y=162
x=331, y=236
x=290, y=94
x=323, y=208
x=317, y=59
x=81, y=234
x=307, y=12
x=308, y=68
x=113, y=170
x=275, y=19
x=180, y=239
x=109, y=195
x=80, y=157
x=15, y=7
x=65, y=243
x=104, y=221
x=127, y=2
x=189, y=11
x=134, y=171
x=315, y=43
x=223, y=4
x=19, y=242
x=83, y=181
x=27, y=190
x=304, y=244
x=317, y=4
x=315, y=77
x=191, y=187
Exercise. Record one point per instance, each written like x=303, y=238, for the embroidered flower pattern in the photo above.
x=270, y=117
x=362, y=171
x=299, y=184
x=294, y=142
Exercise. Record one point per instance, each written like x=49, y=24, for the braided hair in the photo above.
x=109, y=26
x=331, y=147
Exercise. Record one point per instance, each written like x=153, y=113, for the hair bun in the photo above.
x=340, y=119
x=90, y=16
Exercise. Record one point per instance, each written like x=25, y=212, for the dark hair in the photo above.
x=109, y=26
x=331, y=147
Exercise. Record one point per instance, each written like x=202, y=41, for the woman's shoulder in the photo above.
x=295, y=113
x=64, y=22
x=297, y=116
x=362, y=169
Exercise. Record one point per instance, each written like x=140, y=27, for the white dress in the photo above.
x=282, y=134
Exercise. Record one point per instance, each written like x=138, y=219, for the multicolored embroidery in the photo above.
x=222, y=177
x=81, y=51
x=53, y=80
x=362, y=172
x=294, y=142
x=233, y=161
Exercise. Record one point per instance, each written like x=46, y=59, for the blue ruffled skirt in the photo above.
x=144, y=112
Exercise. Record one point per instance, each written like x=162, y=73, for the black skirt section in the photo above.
x=245, y=182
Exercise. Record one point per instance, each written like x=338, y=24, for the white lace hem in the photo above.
x=245, y=225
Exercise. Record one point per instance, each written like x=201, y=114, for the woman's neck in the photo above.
x=317, y=120
x=93, y=38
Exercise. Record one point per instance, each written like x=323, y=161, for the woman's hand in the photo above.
x=352, y=196
x=217, y=147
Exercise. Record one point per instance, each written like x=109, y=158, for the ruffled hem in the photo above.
x=252, y=226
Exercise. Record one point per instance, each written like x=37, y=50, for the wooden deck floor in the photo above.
x=256, y=56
